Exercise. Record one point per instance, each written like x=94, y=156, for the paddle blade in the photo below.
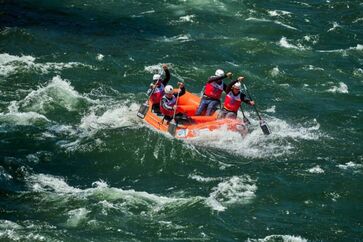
x=143, y=110
x=172, y=128
x=265, y=128
x=246, y=121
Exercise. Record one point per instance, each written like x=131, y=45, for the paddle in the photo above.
x=263, y=124
x=145, y=106
x=173, y=125
x=245, y=119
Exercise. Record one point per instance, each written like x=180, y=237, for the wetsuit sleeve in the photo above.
x=244, y=98
x=215, y=78
x=229, y=86
x=182, y=92
x=166, y=78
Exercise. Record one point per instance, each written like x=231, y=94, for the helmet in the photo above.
x=219, y=72
x=156, y=77
x=168, y=89
x=237, y=85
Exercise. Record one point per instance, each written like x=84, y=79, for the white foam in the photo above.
x=270, y=21
x=236, y=190
x=271, y=110
x=184, y=19
x=77, y=216
x=100, y=57
x=284, y=238
x=7, y=224
x=10, y=64
x=48, y=183
x=255, y=144
x=4, y=175
x=204, y=179
x=284, y=43
x=178, y=38
x=316, y=170
x=57, y=92
x=275, y=71
x=342, y=88
x=23, y=118
x=358, y=20
x=115, y=117
x=350, y=165
x=335, y=26
x=275, y=13
x=358, y=72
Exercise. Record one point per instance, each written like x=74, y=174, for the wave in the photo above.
x=285, y=43
x=23, y=118
x=179, y=38
x=283, y=238
x=236, y=190
x=255, y=144
x=56, y=93
x=270, y=21
x=359, y=47
x=11, y=64
x=342, y=88
x=317, y=170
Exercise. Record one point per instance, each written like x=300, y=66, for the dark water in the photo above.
x=78, y=165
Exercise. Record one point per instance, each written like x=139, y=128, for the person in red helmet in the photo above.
x=157, y=89
x=233, y=100
x=212, y=93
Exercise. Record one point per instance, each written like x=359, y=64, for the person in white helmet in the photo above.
x=168, y=103
x=156, y=89
x=234, y=99
x=212, y=93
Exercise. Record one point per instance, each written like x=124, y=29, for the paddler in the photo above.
x=157, y=89
x=168, y=104
x=212, y=93
x=234, y=99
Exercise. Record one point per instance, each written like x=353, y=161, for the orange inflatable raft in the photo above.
x=189, y=103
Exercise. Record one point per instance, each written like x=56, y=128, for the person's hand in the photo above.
x=165, y=66
x=174, y=107
x=252, y=103
x=180, y=84
x=240, y=78
x=152, y=85
x=229, y=74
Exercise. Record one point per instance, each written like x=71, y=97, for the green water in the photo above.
x=76, y=164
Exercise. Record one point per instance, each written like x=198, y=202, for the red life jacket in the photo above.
x=157, y=94
x=213, y=90
x=232, y=102
x=170, y=103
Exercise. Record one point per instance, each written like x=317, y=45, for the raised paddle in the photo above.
x=263, y=124
x=172, y=124
x=145, y=106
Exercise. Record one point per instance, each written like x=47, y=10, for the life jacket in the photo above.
x=213, y=90
x=232, y=102
x=157, y=94
x=170, y=102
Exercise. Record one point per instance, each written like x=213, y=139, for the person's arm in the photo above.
x=245, y=99
x=182, y=89
x=167, y=75
x=229, y=86
x=218, y=78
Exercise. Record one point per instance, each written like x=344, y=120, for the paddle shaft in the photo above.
x=254, y=106
x=176, y=103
